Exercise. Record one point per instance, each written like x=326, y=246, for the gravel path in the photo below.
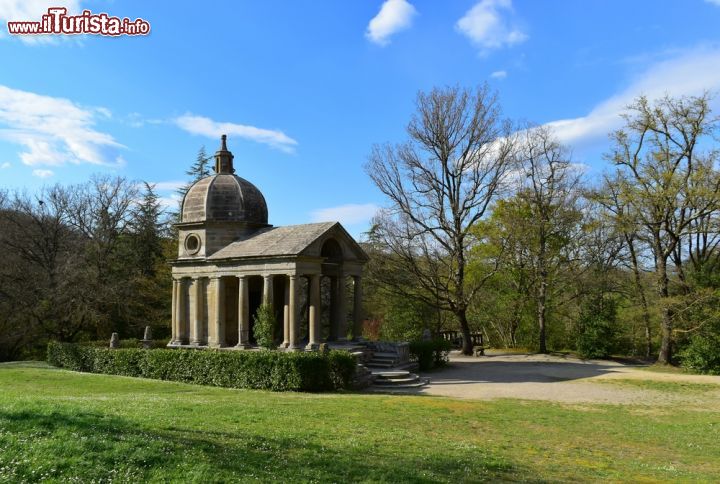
x=561, y=379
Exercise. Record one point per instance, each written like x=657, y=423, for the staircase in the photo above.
x=383, y=366
x=397, y=379
x=383, y=360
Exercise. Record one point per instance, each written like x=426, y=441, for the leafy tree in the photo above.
x=198, y=170
x=668, y=184
x=597, y=327
x=543, y=220
x=147, y=228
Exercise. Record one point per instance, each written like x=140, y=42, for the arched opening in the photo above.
x=332, y=251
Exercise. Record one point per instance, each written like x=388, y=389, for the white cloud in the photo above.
x=499, y=75
x=394, y=16
x=346, y=214
x=31, y=10
x=213, y=129
x=5, y=165
x=43, y=173
x=171, y=202
x=688, y=74
x=136, y=120
x=168, y=185
x=54, y=131
x=714, y=2
x=485, y=26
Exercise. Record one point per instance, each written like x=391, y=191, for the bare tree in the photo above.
x=439, y=184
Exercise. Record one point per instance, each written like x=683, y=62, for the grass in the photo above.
x=679, y=387
x=57, y=425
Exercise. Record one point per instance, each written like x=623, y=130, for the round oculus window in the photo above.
x=192, y=244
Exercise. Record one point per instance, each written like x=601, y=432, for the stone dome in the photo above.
x=224, y=197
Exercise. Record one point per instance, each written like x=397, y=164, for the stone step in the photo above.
x=393, y=374
x=381, y=388
x=397, y=381
x=380, y=354
x=376, y=364
x=382, y=361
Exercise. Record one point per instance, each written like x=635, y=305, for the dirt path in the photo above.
x=565, y=379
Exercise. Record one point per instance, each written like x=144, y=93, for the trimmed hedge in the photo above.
x=263, y=370
x=430, y=354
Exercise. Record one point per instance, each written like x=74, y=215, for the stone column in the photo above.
x=243, y=313
x=197, y=327
x=294, y=309
x=286, y=316
x=314, y=313
x=268, y=289
x=173, y=324
x=357, y=308
x=333, y=335
x=219, y=314
x=342, y=310
x=182, y=313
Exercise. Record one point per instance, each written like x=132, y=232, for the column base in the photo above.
x=294, y=348
x=312, y=347
x=243, y=346
x=284, y=344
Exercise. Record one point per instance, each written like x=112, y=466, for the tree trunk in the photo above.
x=541, y=320
x=643, y=300
x=542, y=296
x=665, y=356
x=467, y=347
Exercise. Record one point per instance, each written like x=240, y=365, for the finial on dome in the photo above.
x=224, y=158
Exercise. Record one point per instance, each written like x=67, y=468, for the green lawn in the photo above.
x=64, y=426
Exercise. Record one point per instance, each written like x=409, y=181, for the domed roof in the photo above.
x=224, y=197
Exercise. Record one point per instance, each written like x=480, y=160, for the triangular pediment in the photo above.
x=293, y=240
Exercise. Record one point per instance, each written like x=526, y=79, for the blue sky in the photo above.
x=304, y=88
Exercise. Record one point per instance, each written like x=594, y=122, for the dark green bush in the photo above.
x=266, y=370
x=430, y=354
x=597, y=328
x=127, y=343
x=702, y=354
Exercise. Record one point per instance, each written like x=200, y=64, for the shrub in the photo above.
x=263, y=370
x=264, y=327
x=430, y=354
x=702, y=354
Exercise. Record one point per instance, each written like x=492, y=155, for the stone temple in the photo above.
x=230, y=261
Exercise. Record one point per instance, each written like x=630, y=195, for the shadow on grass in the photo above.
x=91, y=446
